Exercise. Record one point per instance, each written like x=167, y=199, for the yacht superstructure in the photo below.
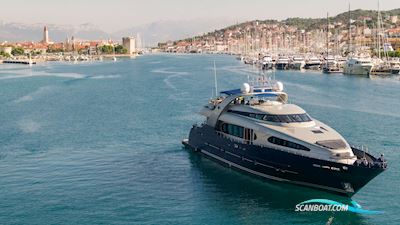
x=255, y=130
x=282, y=63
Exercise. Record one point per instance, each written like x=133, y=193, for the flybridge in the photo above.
x=263, y=92
x=260, y=90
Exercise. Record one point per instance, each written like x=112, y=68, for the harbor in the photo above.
x=353, y=43
x=68, y=136
x=213, y=112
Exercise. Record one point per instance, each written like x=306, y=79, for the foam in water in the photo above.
x=35, y=94
x=28, y=73
x=28, y=126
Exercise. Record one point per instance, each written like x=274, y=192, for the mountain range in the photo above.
x=151, y=33
x=161, y=31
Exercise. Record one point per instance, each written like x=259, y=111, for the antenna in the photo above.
x=215, y=80
x=327, y=36
x=349, y=29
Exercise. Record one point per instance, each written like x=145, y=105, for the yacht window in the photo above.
x=290, y=118
x=305, y=117
x=286, y=119
x=232, y=129
x=259, y=116
x=285, y=143
x=317, y=131
x=296, y=118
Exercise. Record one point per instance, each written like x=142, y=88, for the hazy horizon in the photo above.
x=123, y=14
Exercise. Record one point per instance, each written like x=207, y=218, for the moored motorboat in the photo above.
x=313, y=63
x=282, y=63
x=358, y=66
x=297, y=63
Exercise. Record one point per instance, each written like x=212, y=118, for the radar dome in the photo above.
x=245, y=88
x=279, y=86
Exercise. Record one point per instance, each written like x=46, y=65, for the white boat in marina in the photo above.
x=341, y=61
x=297, y=63
x=267, y=63
x=358, y=66
x=282, y=63
x=313, y=63
x=395, y=66
x=331, y=66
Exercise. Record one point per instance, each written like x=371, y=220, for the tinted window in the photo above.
x=285, y=143
x=232, y=129
x=291, y=118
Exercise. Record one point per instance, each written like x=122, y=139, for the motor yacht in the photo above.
x=297, y=63
x=255, y=130
x=313, y=63
x=282, y=63
x=267, y=63
x=358, y=66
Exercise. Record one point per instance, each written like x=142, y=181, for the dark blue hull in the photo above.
x=282, y=66
x=281, y=166
x=312, y=66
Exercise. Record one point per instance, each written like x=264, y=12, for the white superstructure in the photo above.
x=358, y=66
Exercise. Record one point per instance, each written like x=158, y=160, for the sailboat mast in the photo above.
x=349, y=30
x=215, y=80
x=379, y=32
x=327, y=35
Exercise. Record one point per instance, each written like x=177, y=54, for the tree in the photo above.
x=394, y=54
x=17, y=51
x=107, y=49
x=55, y=50
x=5, y=54
x=119, y=49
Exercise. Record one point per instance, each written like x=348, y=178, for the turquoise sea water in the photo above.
x=100, y=143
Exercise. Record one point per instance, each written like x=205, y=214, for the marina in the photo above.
x=73, y=146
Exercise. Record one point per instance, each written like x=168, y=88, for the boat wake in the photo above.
x=172, y=75
x=28, y=126
x=35, y=94
x=104, y=77
x=29, y=73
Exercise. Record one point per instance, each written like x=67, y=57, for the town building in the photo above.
x=130, y=44
x=6, y=49
x=45, y=36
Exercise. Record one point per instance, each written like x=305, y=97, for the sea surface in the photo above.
x=100, y=143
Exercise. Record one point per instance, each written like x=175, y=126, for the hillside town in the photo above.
x=289, y=36
x=359, y=42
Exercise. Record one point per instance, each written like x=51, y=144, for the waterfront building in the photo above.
x=92, y=48
x=6, y=49
x=130, y=44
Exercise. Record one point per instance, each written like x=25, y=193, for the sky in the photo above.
x=114, y=15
